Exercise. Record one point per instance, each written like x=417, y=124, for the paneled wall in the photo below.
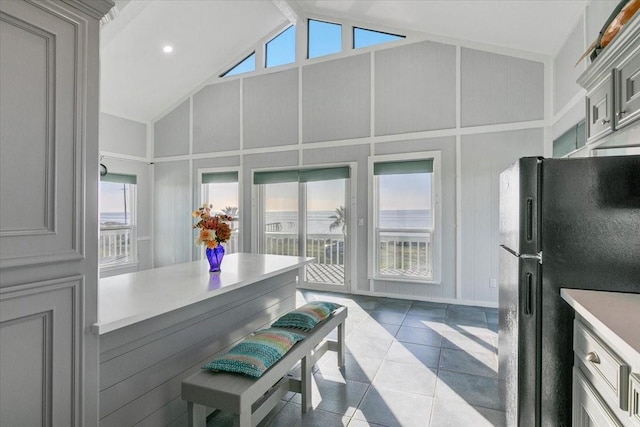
x=481, y=110
x=122, y=136
x=48, y=212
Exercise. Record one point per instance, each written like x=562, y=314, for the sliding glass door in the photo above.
x=303, y=212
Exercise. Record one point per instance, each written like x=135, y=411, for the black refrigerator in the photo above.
x=564, y=223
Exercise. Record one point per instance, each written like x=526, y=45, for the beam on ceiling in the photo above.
x=290, y=9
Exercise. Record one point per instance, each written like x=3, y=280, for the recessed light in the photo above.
x=167, y=49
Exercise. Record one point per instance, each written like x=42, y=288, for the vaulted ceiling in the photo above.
x=140, y=82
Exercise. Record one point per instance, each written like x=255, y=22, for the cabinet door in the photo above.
x=628, y=90
x=588, y=408
x=599, y=106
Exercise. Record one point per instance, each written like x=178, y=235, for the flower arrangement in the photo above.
x=213, y=227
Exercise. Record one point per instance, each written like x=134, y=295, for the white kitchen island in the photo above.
x=159, y=326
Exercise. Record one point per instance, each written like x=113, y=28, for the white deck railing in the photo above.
x=402, y=253
x=115, y=244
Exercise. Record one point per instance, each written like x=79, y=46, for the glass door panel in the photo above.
x=326, y=231
x=280, y=220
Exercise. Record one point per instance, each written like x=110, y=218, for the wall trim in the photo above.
x=454, y=301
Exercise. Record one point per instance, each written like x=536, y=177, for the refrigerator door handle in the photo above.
x=537, y=256
x=528, y=309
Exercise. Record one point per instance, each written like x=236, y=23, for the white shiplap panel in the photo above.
x=565, y=72
x=499, y=89
x=483, y=158
x=171, y=133
x=336, y=99
x=173, y=235
x=216, y=118
x=123, y=136
x=415, y=88
x=270, y=109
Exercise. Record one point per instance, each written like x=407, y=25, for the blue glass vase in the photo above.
x=215, y=256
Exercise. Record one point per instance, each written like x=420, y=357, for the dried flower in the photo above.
x=214, y=228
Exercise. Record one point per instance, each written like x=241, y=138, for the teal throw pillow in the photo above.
x=307, y=316
x=256, y=353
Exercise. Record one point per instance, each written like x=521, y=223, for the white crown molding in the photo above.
x=94, y=8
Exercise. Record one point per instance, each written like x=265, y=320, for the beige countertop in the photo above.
x=615, y=314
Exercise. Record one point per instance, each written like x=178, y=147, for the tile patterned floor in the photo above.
x=408, y=363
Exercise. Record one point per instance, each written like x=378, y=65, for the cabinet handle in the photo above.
x=619, y=113
x=592, y=357
x=605, y=121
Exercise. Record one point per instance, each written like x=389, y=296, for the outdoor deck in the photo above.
x=334, y=273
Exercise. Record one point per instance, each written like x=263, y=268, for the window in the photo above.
x=117, y=244
x=303, y=213
x=220, y=189
x=324, y=38
x=281, y=49
x=245, y=66
x=363, y=37
x=404, y=217
x=569, y=141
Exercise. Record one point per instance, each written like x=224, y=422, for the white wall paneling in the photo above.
x=122, y=136
x=171, y=133
x=499, y=89
x=173, y=236
x=415, y=88
x=270, y=109
x=336, y=99
x=216, y=118
x=49, y=212
x=483, y=157
x=565, y=70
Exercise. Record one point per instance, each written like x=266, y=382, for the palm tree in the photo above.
x=232, y=211
x=339, y=220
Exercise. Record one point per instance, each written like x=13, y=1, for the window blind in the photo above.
x=119, y=178
x=219, y=177
x=398, y=168
x=301, y=175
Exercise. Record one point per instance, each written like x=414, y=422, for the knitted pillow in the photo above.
x=307, y=316
x=256, y=353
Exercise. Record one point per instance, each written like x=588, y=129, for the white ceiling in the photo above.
x=140, y=82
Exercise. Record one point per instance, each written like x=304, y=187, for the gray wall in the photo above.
x=122, y=136
x=400, y=99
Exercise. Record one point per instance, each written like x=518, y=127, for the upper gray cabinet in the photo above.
x=612, y=82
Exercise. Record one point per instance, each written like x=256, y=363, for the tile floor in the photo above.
x=408, y=363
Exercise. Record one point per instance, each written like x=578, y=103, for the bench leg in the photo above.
x=306, y=382
x=197, y=415
x=243, y=419
x=341, y=345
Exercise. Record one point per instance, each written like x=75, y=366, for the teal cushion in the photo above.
x=256, y=353
x=307, y=316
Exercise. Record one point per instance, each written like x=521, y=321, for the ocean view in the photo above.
x=318, y=221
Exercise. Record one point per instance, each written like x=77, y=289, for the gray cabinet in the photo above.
x=599, y=105
x=612, y=82
x=48, y=211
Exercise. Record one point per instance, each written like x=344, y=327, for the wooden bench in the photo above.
x=251, y=399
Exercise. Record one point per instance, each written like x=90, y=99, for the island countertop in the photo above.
x=130, y=298
x=616, y=314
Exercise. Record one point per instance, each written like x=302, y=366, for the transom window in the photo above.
x=245, y=66
x=281, y=49
x=363, y=37
x=324, y=38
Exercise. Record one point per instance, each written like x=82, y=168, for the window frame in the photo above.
x=295, y=47
x=230, y=69
x=436, y=205
x=132, y=259
x=203, y=196
x=356, y=27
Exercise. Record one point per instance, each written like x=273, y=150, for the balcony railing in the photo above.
x=405, y=253
x=115, y=245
